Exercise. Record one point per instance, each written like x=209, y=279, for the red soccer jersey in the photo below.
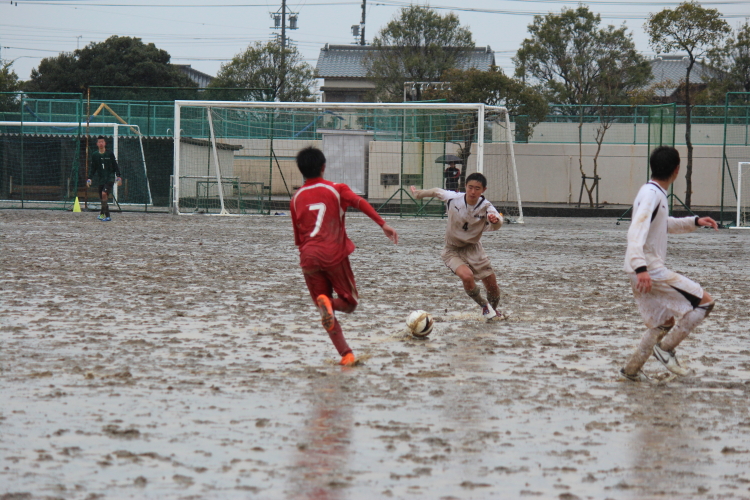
x=318, y=210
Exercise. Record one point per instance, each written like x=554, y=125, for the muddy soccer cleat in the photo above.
x=638, y=377
x=501, y=316
x=488, y=313
x=669, y=360
x=326, y=312
x=348, y=359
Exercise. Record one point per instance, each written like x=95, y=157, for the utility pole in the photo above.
x=283, y=49
x=279, y=18
x=362, y=23
x=358, y=30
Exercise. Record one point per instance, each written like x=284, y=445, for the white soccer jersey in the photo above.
x=466, y=223
x=647, y=236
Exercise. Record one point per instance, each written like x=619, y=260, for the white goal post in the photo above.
x=743, y=195
x=238, y=157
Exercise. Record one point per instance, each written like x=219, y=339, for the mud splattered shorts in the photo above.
x=338, y=278
x=470, y=255
x=671, y=296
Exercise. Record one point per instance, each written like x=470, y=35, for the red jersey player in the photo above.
x=318, y=209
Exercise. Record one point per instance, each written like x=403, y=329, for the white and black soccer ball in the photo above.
x=420, y=323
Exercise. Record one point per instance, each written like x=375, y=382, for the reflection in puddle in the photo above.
x=323, y=452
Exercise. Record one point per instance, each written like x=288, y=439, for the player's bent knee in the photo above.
x=467, y=277
x=666, y=327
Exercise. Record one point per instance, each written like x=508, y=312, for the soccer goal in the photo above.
x=743, y=195
x=239, y=157
x=44, y=162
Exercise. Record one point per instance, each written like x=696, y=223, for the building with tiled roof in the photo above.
x=669, y=76
x=199, y=77
x=344, y=72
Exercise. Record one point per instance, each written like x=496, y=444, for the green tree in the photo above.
x=692, y=29
x=731, y=65
x=117, y=61
x=581, y=64
x=418, y=45
x=259, y=67
x=569, y=55
x=493, y=88
x=8, y=83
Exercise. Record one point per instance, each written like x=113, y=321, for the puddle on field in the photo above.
x=201, y=371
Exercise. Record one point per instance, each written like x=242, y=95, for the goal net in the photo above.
x=239, y=157
x=743, y=195
x=43, y=164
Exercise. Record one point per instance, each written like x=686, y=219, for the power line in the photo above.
x=624, y=3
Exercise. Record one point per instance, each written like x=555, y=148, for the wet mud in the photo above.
x=160, y=357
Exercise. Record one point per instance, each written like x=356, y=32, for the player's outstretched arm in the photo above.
x=425, y=193
x=681, y=225
x=390, y=233
x=707, y=222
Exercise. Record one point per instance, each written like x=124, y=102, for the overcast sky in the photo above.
x=203, y=35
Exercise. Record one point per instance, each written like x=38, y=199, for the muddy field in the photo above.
x=165, y=357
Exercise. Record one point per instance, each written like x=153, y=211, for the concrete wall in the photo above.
x=548, y=173
x=253, y=163
x=197, y=160
x=623, y=133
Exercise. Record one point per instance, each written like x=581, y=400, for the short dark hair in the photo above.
x=101, y=137
x=310, y=162
x=663, y=162
x=476, y=176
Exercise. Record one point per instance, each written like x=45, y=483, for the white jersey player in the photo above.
x=662, y=295
x=470, y=214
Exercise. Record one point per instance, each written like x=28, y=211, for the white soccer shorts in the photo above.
x=671, y=296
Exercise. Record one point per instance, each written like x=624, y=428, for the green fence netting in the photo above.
x=736, y=149
x=39, y=166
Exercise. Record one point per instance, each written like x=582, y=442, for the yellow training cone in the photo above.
x=76, y=206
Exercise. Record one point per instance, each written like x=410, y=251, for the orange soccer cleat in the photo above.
x=348, y=359
x=326, y=312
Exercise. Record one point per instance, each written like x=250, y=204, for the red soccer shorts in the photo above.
x=339, y=279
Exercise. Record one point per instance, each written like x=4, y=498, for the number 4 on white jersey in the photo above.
x=321, y=208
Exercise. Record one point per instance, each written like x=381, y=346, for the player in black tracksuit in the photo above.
x=103, y=167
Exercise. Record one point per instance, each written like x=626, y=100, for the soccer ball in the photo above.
x=420, y=323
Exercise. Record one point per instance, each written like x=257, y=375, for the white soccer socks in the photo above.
x=476, y=295
x=493, y=299
x=685, y=325
x=662, y=341
x=644, y=349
